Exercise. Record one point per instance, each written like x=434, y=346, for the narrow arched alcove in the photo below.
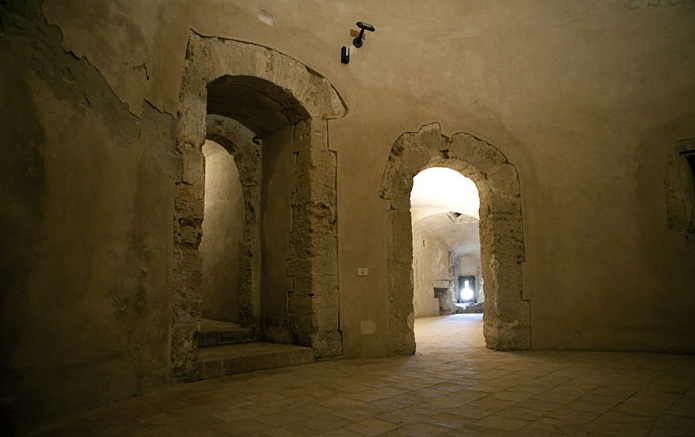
x=223, y=230
x=447, y=272
x=241, y=143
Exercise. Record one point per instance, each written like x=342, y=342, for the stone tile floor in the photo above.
x=452, y=386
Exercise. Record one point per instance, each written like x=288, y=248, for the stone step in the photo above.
x=219, y=332
x=247, y=357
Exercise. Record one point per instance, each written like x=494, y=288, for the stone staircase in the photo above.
x=218, y=332
x=225, y=348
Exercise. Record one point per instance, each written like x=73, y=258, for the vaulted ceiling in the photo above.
x=445, y=204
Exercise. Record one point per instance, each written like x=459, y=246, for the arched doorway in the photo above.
x=447, y=271
x=289, y=262
x=506, y=312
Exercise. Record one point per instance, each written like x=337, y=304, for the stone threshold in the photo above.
x=248, y=357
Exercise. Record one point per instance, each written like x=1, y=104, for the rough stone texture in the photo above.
x=506, y=314
x=267, y=92
x=401, y=315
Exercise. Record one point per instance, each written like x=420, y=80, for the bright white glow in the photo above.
x=467, y=292
x=438, y=189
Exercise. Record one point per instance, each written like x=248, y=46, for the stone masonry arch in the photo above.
x=506, y=313
x=266, y=91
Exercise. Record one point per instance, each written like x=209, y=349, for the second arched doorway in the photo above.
x=506, y=312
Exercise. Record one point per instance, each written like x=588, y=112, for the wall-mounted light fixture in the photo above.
x=357, y=42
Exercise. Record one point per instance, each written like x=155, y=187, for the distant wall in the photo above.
x=430, y=263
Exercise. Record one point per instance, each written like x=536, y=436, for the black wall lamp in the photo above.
x=357, y=42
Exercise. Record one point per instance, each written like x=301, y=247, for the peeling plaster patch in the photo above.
x=124, y=46
x=640, y=4
x=266, y=17
x=63, y=74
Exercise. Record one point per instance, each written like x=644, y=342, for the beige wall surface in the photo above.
x=223, y=229
x=585, y=98
x=430, y=264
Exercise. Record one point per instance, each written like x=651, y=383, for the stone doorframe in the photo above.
x=506, y=313
x=302, y=98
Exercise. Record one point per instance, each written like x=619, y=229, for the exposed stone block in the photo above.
x=401, y=279
x=314, y=216
x=193, y=166
x=327, y=344
x=316, y=176
x=301, y=136
x=503, y=180
x=504, y=205
x=400, y=249
x=188, y=206
x=312, y=266
x=477, y=152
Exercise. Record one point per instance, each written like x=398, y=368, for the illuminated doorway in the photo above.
x=447, y=273
x=506, y=312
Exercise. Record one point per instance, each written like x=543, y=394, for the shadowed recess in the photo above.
x=261, y=106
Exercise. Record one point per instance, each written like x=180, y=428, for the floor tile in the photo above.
x=453, y=385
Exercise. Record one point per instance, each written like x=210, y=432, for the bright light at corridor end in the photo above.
x=440, y=189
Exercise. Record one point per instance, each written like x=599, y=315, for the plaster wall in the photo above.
x=430, y=264
x=587, y=100
x=468, y=265
x=86, y=225
x=223, y=228
x=276, y=213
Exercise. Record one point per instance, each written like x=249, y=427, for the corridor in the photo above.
x=453, y=385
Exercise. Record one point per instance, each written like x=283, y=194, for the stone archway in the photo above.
x=273, y=95
x=506, y=312
x=238, y=141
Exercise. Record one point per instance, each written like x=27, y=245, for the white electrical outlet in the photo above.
x=362, y=271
